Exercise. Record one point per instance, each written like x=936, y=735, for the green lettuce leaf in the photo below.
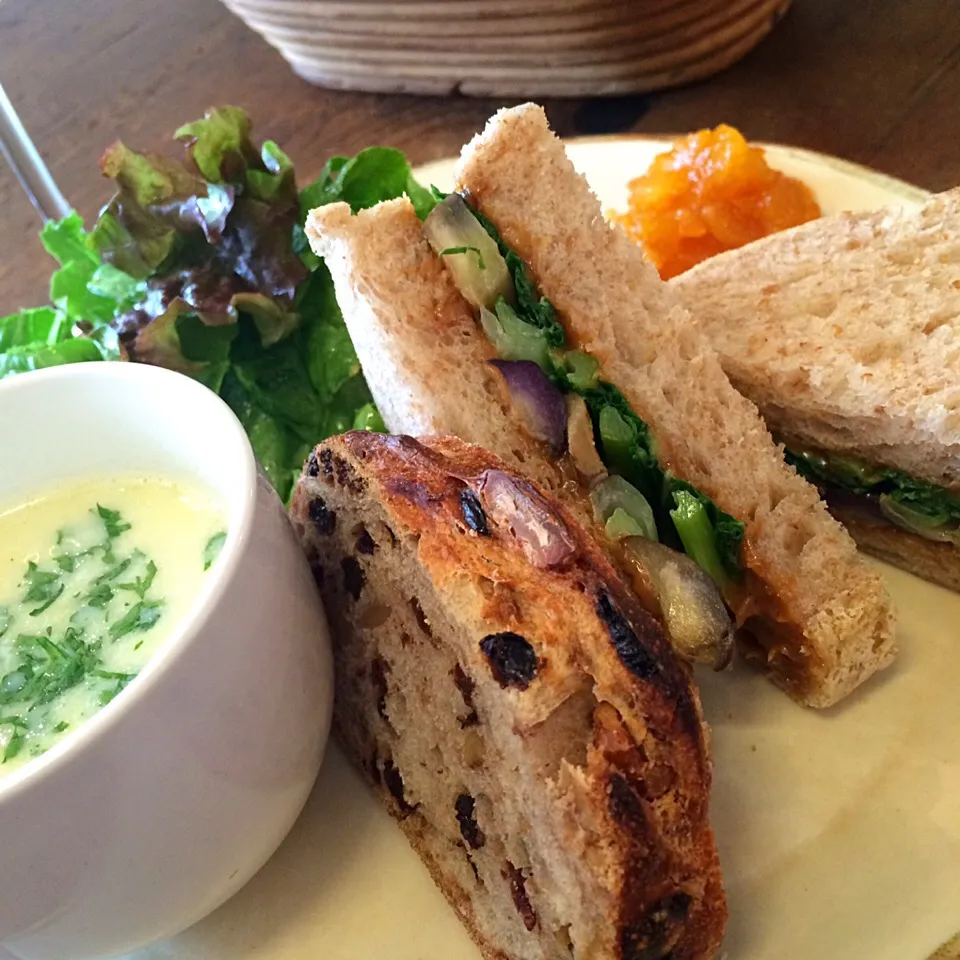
x=82, y=288
x=275, y=183
x=220, y=143
x=85, y=294
x=179, y=340
x=273, y=321
x=280, y=451
x=66, y=241
x=39, y=326
x=328, y=350
x=36, y=357
x=113, y=284
x=277, y=381
x=70, y=291
x=368, y=418
x=374, y=174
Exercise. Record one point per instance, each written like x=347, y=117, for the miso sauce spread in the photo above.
x=93, y=578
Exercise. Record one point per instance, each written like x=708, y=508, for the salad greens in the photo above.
x=203, y=267
x=43, y=336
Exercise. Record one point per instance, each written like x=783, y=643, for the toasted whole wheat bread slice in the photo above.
x=846, y=333
x=817, y=616
x=529, y=727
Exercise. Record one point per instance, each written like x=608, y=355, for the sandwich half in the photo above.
x=846, y=334
x=518, y=712
x=519, y=268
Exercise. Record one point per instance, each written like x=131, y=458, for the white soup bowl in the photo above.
x=164, y=803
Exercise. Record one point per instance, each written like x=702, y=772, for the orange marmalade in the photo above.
x=712, y=192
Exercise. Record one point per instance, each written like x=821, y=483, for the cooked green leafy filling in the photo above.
x=533, y=309
x=915, y=505
x=685, y=517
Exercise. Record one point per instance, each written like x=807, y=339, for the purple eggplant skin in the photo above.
x=540, y=402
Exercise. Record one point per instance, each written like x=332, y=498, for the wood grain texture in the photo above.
x=876, y=81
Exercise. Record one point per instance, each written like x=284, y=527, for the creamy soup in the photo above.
x=93, y=578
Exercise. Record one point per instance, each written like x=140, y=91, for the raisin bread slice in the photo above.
x=521, y=716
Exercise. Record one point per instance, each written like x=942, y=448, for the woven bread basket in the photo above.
x=509, y=48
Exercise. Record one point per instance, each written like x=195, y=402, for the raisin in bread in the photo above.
x=521, y=716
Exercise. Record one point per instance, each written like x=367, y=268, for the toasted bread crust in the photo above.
x=628, y=817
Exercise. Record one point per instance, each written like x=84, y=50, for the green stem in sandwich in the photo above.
x=634, y=497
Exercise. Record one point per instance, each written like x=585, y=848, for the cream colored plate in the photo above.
x=839, y=832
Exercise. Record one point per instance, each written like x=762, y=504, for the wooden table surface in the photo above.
x=875, y=81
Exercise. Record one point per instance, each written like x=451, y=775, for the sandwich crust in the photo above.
x=813, y=613
x=528, y=725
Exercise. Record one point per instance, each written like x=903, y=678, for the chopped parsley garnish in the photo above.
x=14, y=744
x=86, y=600
x=141, y=585
x=113, y=572
x=17, y=737
x=67, y=562
x=212, y=550
x=47, y=668
x=120, y=681
x=110, y=591
x=112, y=520
x=141, y=616
x=100, y=595
x=43, y=587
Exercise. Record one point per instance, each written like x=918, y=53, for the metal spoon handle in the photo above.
x=28, y=165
